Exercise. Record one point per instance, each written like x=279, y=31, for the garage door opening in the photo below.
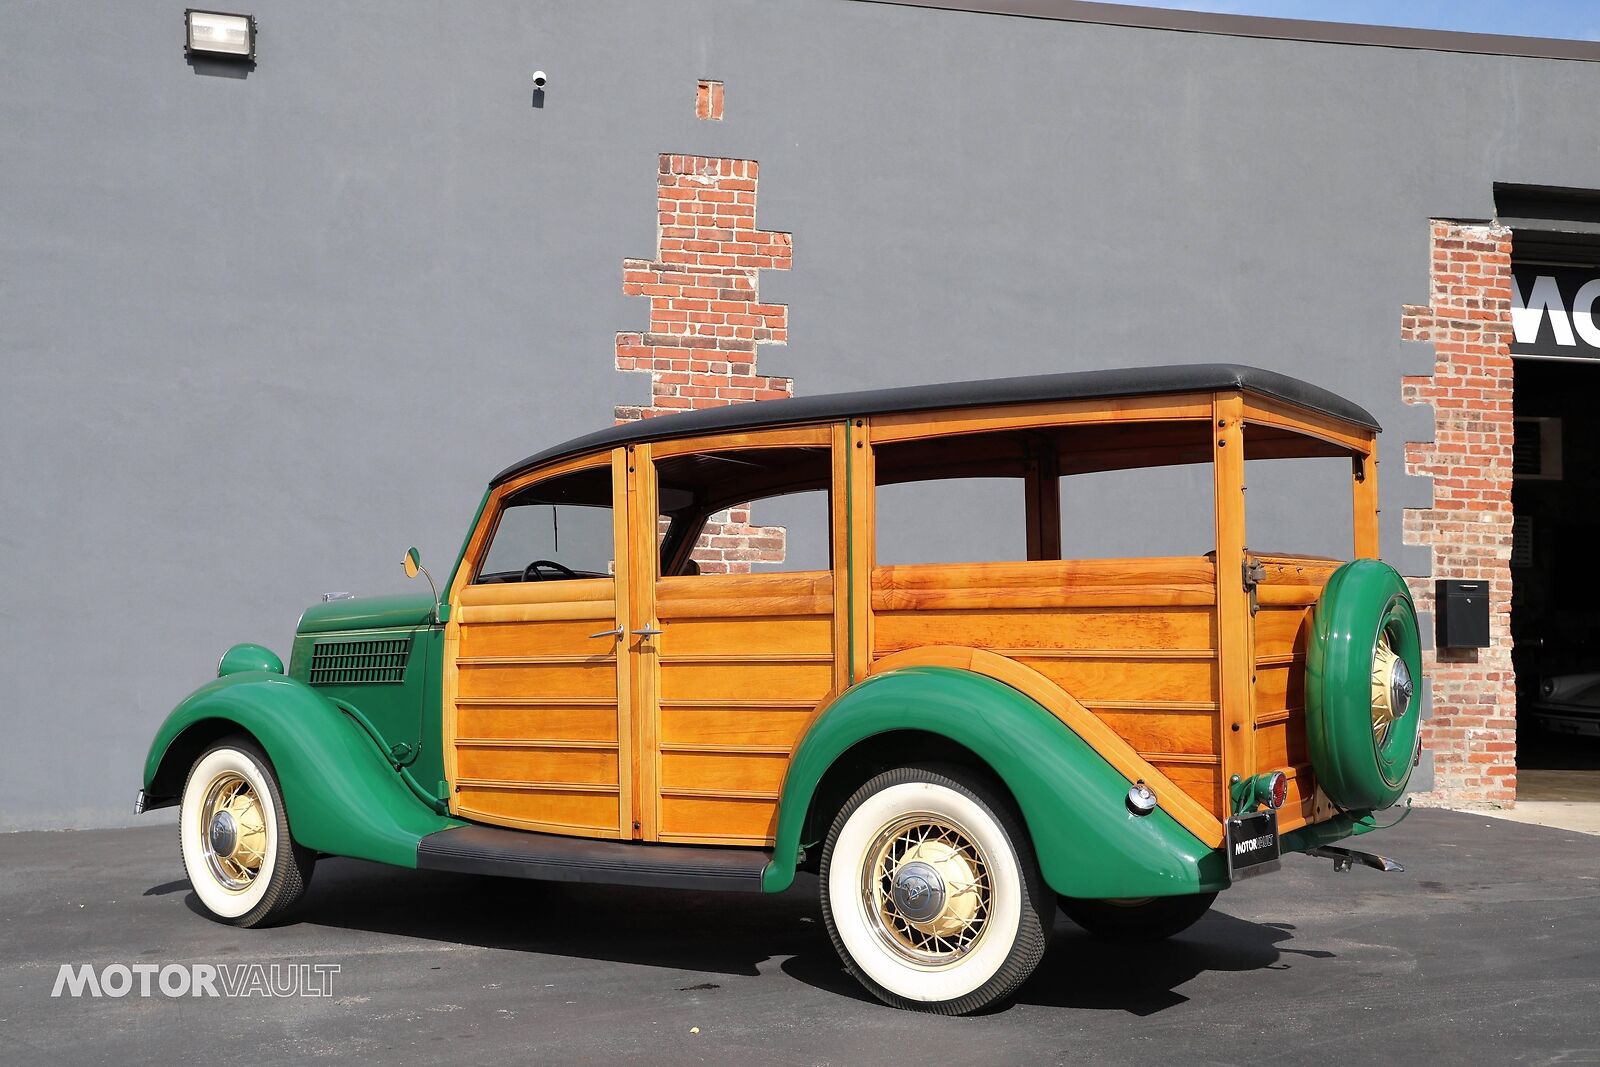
x=1555, y=575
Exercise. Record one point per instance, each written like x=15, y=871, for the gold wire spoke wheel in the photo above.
x=1391, y=688
x=926, y=890
x=1383, y=710
x=233, y=828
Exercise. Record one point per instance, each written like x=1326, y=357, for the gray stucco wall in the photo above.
x=261, y=334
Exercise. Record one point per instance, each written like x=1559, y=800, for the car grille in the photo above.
x=359, y=662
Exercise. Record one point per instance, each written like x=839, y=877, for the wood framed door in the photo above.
x=538, y=714
x=729, y=668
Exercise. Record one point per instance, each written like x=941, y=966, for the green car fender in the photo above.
x=1074, y=803
x=340, y=794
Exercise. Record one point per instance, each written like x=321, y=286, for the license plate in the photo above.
x=1252, y=844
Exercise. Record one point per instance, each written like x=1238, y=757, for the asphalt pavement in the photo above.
x=1487, y=950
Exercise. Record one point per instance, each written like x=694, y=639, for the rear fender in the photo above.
x=1074, y=802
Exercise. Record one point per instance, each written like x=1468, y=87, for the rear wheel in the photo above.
x=931, y=892
x=1145, y=919
x=241, y=861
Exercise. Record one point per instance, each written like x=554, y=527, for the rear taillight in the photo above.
x=1277, y=790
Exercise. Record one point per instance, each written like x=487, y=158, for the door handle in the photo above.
x=648, y=631
x=616, y=632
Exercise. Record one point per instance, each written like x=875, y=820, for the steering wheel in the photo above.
x=531, y=571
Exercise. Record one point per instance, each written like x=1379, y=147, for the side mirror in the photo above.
x=413, y=565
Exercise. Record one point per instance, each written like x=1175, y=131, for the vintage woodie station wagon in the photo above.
x=955, y=748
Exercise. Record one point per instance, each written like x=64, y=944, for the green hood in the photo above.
x=368, y=613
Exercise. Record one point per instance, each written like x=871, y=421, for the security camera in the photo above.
x=539, y=79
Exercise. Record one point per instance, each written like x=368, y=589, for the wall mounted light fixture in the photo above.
x=219, y=35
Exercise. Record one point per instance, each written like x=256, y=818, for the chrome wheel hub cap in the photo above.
x=1392, y=689
x=918, y=892
x=925, y=889
x=233, y=832
x=224, y=833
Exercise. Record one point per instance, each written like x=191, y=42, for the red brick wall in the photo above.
x=707, y=318
x=1472, y=733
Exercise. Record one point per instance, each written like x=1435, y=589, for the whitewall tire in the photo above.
x=244, y=867
x=931, y=892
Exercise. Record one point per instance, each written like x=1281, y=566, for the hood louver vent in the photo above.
x=359, y=662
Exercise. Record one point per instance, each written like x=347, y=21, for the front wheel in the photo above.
x=931, y=892
x=241, y=861
x=1145, y=919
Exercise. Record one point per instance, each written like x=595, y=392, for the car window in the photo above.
x=1142, y=511
x=952, y=520
x=803, y=520
x=747, y=510
x=554, y=531
x=1126, y=489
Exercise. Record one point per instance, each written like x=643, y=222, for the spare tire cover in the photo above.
x=1363, y=681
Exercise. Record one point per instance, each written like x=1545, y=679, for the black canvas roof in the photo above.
x=1074, y=385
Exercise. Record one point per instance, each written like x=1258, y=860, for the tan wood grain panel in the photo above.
x=1235, y=624
x=1280, y=631
x=549, y=809
x=734, y=725
x=629, y=803
x=1195, y=732
x=510, y=639
x=1202, y=782
x=591, y=678
x=587, y=610
x=571, y=766
x=1280, y=687
x=722, y=772
x=712, y=682
x=1096, y=680
x=1171, y=630
x=1282, y=745
x=1043, y=584
x=863, y=548
x=718, y=820
x=641, y=535
x=596, y=722
x=1267, y=411
x=1364, y=502
x=839, y=533
x=766, y=634
x=726, y=442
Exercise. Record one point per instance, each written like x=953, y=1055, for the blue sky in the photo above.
x=1527, y=18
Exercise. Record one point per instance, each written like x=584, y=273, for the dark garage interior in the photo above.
x=1555, y=584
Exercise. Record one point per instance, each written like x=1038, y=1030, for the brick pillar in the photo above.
x=1472, y=733
x=706, y=319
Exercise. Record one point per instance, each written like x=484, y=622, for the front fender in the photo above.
x=340, y=794
x=1073, y=801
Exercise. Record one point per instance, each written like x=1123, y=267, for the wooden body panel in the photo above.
x=685, y=736
x=538, y=721
x=1287, y=594
x=1132, y=640
x=744, y=660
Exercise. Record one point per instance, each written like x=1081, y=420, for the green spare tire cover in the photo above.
x=1363, y=673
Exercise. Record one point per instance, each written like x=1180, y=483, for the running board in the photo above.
x=553, y=858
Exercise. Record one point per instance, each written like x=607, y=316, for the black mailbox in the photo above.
x=1461, y=614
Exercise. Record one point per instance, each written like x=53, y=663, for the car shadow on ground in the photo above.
x=735, y=934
